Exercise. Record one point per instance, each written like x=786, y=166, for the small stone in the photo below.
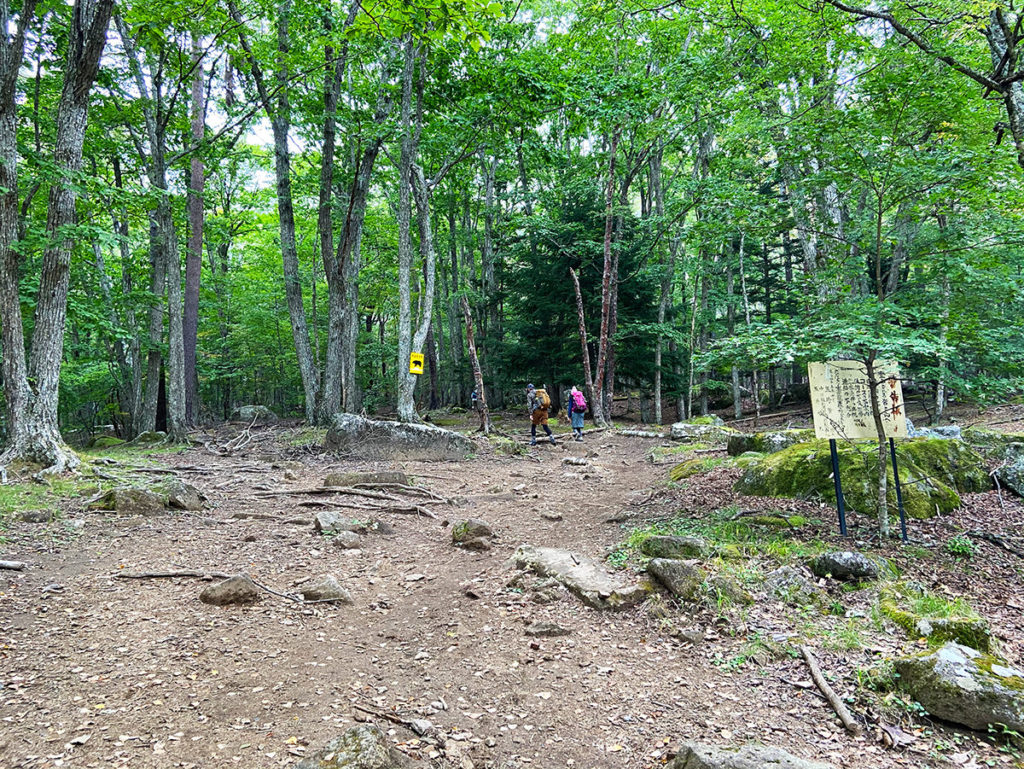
x=696, y=756
x=291, y=475
x=361, y=747
x=477, y=544
x=37, y=516
x=415, y=577
x=421, y=656
x=346, y=540
x=681, y=578
x=551, y=516
x=844, y=565
x=472, y=528
x=183, y=496
x=249, y=538
x=542, y=629
x=239, y=589
x=130, y=502
x=331, y=522
x=421, y=726
x=327, y=588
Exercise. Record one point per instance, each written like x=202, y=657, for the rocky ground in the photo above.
x=98, y=670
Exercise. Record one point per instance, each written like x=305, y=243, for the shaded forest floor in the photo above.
x=97, y=671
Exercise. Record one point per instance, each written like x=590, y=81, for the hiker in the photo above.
x=577, y=407
x=538, y=402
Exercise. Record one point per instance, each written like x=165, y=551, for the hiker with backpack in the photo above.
x=538, y=402
x=577, y=407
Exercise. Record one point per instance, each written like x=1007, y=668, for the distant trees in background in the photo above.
x=279, y=201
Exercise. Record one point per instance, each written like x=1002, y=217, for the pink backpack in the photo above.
x=579, y=402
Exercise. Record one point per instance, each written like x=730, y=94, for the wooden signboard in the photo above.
x=841, y=399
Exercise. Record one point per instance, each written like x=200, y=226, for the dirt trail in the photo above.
x=105, y=672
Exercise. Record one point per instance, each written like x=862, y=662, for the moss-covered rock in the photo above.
x=924, y=616
x=681, y=578
x=105, y=442
x=960, y=684
x=767, y=442
x=929, y=488
x=659, y=546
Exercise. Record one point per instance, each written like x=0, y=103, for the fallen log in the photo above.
x=833, y=699
x=173, y=574
x=13, y=565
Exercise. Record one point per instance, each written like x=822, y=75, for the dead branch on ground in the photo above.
x=997, y=541
x=833, y=699
x=13, y=565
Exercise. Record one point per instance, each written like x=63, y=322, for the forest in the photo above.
x=211, y=204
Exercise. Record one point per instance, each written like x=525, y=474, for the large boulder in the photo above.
x=253, y=413
x=710, y=429
x=361, y=747
x=933, y=473
x=582, y=575
x=960, y=684
x=130, y=502
x=370, y=439
x=694, y=755
x=767, y=442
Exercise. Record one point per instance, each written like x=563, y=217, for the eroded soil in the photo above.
x=100, y=671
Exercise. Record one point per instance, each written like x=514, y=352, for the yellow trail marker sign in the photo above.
x=841, y=399
x=416, y=363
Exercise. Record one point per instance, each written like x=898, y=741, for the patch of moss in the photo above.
x=692, y=467
x=660, y=453
x=105, y=442
x=506, y=446
x=706, y=420
x=805, y=471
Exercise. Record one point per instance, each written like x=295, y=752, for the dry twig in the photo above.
x=833, y=699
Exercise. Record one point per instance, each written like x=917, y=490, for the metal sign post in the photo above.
x=840, y=500
x=899, y=490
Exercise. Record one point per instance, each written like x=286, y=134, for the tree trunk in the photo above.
x=33, y=434
x=606, y=280
x=596, y=407
x=194, y=249
x=478, y=377
x=406, y=381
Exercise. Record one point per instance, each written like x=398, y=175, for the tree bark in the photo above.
x=478, y=377
x=194, y=248
x=606, y=280
x=33, y=434
x=406, y=381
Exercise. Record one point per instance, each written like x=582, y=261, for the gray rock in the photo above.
x=793, y=586
x=541, y=629
x=767, y=442
x=327, y=588
x=709, y=429
x=421, y=726
x=674, y=547
x=332, y=522
x=36, y=516
x=130, y=502
x=183, y=496
x=681, y=578
x=473, y=528
x=947, y=432
x=844, y=565
x=347, y=540
x=726, y=587
x=151, y=436
x=239, y=589
x=370, y=439
x=960, y=684
x=361, y=747
x=1011, y=471
x=249, y=413
x=582, y=575
x=374, y=479
x=693, y=755
x=479, y=544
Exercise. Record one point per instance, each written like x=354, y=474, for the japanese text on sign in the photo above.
x=841, y=399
